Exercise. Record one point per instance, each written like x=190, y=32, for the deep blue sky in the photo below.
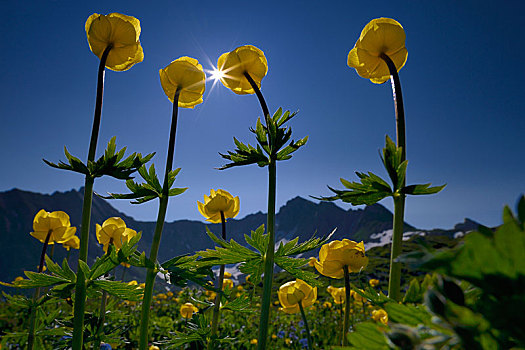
x=462, y=85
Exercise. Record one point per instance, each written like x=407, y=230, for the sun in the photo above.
x=216, y=74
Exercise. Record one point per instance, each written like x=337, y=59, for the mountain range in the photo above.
x=298, y=217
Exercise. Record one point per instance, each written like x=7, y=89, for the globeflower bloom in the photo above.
x=114, y=231
x=187, y=310
x=294, y=292
x=380, y=316
x=381, y=36
x=56, y=225
x=119, y=31
x=373, y=282
x=337, y=293
x=235, y=64
x=336, y=255
x=73, y=242
x=219, y=201
x=186, y=75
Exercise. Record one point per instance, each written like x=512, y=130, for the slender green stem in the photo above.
x=270, y=227
x=80, y=288
x=101, y=320
x=347, y=305
x=341, y=322
x=394, y=283
x=217, y=306
x=36, y=295
x=268, y=259
x=309, y=337
x=262, y=101
x=163, y=206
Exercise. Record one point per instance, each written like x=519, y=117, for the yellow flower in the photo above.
x=169, y=294
x=373, y=282
x=227, y=274
x=335, y=255
x=274, y=336
x=133, y=283
x=219, y=201
x=187, y=310
x=187, y=75
x=380, y=36
x=288, y=341
x=126, y=265
x=253, y=341
x=227, y=283
x=244, y=59
x=55, y=224
x=380, y=316
x=311, y=261
x=357, y=297
x=327, y=305
x=337, y=293
x=154, y=347
x=73, y=242
x=294, y=292
x=114, y=231
x=122, y=33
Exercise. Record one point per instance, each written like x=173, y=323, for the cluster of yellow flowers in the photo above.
x=119, y=34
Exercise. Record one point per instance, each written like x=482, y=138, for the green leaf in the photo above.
x=370, y=190
x=407, y=314
x=111, y=162
x=258, y=239
x=293, y=266
x=421, y=189
x=39, y=280
x=240, y=304
x=119, y=289
x=367, y=335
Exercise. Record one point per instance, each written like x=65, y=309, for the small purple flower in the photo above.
x=281, y=334
x=105, y=347
x=301, y=323
x=303, y=342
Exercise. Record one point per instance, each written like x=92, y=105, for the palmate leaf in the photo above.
x=372, y=188
x=271, y=138
x=151, y=189
x=240, y=304
x=252, y=262
x=119, y=289
x=368, y=336
x=74, y=164
x=183, y=268
x=110, y=163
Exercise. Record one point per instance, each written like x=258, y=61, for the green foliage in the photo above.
x=271, y=143
x=111, y=163
x=151, y=189
x=182, y=269
x=372, y=188
x=252, y=261
x=474, y=302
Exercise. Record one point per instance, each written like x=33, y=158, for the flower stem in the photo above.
x=347, y=305
x=309, y=337
x=36, y=295
x=163, y=206
x=268, y=259
x=217, y=306
x=254, y=86
x=270, y=228
x=80, y=288
x=394, y=282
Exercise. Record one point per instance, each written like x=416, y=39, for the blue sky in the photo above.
x=462, y=86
